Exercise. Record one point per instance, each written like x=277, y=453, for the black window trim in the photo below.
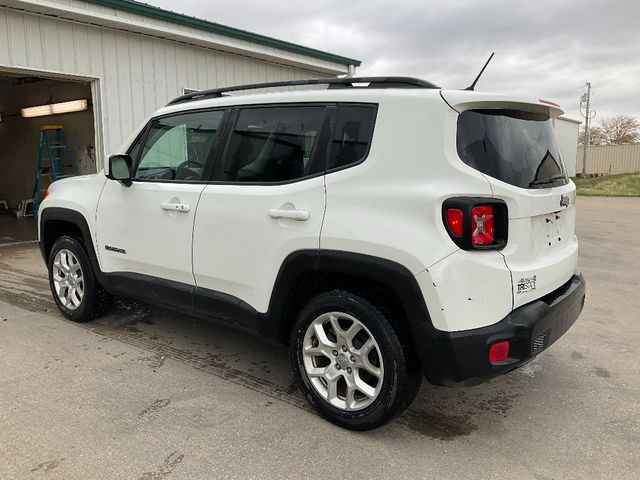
x=236, y=109
x=227, y=124
x=222, y=152
x=492, y=111
x=209, y=166
x=369, y=143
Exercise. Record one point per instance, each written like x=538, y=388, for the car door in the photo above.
x=267, y=200
x=144, y=230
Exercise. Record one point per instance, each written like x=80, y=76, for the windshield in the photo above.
x=514, y=146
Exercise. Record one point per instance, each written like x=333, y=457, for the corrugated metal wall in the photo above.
x=606, y=159
x=137, y=74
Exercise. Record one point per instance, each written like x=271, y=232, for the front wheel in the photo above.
x=350, y=363
x=73, y=283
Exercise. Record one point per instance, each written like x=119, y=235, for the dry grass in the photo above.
x=626, y=185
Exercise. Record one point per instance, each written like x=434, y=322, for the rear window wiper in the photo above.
x=546, y=180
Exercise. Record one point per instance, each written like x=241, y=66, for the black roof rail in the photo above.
x=349, y=82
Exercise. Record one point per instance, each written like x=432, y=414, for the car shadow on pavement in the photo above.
x=215, y=348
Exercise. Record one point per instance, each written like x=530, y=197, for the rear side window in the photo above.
x=516, y=147
x=352, y=135
x=276, y=144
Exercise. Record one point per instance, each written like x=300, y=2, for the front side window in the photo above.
x=179, y=147
x=276, y=144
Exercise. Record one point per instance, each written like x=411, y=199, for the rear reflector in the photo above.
x=499, y=352
x=482, y=225
x=454, y=219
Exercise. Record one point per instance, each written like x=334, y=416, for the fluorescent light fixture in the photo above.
x=40, y=111
x=55, y=108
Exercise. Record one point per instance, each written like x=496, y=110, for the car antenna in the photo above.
x=473, y=85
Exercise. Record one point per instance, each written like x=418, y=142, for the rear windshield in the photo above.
x=516, y=147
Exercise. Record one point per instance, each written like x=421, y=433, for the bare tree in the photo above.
x=596, y=137
x=620, y=129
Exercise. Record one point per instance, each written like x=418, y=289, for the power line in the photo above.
x=595, y=103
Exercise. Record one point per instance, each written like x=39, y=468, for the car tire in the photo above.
x=74, y=285
x=350, y=363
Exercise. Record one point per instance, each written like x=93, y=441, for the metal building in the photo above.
x=126, y=59
x=567, y=130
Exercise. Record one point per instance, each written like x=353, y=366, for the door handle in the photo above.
x=298, y=215
x=175, y=207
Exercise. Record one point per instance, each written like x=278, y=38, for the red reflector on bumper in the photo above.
x=499, y=352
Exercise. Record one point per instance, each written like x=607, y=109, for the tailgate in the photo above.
x=542, y=250
x=512, y=143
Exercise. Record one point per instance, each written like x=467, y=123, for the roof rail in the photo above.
x=348, y=82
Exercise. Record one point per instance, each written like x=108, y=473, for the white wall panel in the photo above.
x=67, y=49
x=567, y=134
x=35, y=55
x=82, y=48
x=4, y=36
x=49, y=41
x=136, y=74
x=16, y=32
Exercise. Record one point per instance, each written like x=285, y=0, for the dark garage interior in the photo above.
x=20, y=137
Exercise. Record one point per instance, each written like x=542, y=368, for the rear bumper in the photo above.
x=463, y=357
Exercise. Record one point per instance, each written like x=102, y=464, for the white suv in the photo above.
x=382, y=227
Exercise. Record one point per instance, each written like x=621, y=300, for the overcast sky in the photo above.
x=544, y=48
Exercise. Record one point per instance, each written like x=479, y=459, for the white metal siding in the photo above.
x=611, y=159
x=136, y=73
x=90, y=13
x=567, y=135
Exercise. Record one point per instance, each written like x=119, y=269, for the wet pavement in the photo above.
x=145, y=393
x=15, y=230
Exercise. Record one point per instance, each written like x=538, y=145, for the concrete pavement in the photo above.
x=148, y=394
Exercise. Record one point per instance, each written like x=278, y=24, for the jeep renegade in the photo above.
x=384, y=228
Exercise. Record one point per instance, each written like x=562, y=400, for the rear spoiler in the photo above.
x=461, y=100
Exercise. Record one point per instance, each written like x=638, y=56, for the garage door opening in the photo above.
x=20, y=136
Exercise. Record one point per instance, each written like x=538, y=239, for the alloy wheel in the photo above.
x=343, y=361
x=68, y=280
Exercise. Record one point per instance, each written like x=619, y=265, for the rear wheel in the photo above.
x=349, y=362
x=73, y=283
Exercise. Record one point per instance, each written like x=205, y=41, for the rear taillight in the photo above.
x=482, y=225
x=454, y=220
x=476, y=223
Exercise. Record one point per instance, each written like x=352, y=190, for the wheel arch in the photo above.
x=383, y=282
x=56, y=222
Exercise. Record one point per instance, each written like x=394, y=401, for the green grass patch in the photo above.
x=626, y=185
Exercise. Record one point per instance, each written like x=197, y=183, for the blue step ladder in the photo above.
x=55, y=161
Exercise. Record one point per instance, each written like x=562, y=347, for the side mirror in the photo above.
x=120, y=168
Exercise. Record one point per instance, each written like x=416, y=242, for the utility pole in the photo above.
x=586, y=97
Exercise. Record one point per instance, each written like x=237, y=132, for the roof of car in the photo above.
x=362, y=89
